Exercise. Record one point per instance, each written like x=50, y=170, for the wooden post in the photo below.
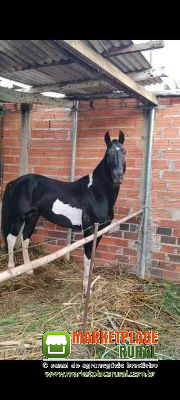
x=96, y=226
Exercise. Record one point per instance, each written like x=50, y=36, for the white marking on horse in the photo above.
x=25, y=244
x=90, y=179
x=11, y=241
x=117, y=148
x=72, y=213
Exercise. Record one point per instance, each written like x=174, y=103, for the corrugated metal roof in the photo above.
x=40, y=63
x=126, y=62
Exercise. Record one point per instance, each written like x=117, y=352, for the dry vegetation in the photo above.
x=53, y=300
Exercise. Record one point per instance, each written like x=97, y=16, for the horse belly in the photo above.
x=63, y=214
x=74, y=214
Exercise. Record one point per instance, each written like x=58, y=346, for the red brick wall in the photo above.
x=166, y=191
x=11, y=126
x=50, y=153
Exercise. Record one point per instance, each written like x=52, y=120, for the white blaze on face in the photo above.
x=72, y=213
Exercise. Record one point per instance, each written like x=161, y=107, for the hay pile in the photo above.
x=53, y=300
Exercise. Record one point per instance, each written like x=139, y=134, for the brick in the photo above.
x=171, y=175
x=134, y=227
x=167, y=266
x=168, y=249
x=123, y=259
x=176, y=232
x=164, y=231
x=120, y=242
x=130, y=252
x=158, y=256
x=169, y=223
x=171, y=154
x=131, y=235
x=170, y=132
x=124, y=227
x=157, y=273
x=167, y=239
x=174, y=257
x=172, y=276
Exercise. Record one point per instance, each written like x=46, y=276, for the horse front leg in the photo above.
x=87, y=261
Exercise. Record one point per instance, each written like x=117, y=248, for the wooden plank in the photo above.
x=71, y=85
x=9, y=95
x=12, y=273
x=134, y=48
x=93, y=96
x=107, y=68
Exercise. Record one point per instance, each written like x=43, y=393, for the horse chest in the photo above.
x=74, y=214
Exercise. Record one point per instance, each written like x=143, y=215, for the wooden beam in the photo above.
x=94, y=96
x=151, y=45
x=71, y=85
x=9, y=95
x=108, y=69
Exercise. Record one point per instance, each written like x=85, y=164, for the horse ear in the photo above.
x=121, y=137
x=107, y=138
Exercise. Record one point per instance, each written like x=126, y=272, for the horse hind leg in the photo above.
x=11, y=241
x=30, y=223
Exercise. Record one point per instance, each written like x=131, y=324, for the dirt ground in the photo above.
x=52, y=299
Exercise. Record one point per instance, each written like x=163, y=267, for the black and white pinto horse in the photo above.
x=77, y=205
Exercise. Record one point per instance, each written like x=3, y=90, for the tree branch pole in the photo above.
x=96, y=225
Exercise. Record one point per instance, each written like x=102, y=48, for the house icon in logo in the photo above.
x=56, y=344
x=56, y=340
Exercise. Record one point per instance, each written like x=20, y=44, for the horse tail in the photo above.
x=6, y=213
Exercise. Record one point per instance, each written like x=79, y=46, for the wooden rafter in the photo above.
x=151, y=45
x=70, y=85
x=9, y=95
x=90, y=56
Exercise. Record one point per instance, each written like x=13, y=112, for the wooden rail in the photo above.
x=12, y=273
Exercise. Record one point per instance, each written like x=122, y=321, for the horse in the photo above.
x=76, y=205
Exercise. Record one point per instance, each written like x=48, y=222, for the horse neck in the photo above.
x=103, y=183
